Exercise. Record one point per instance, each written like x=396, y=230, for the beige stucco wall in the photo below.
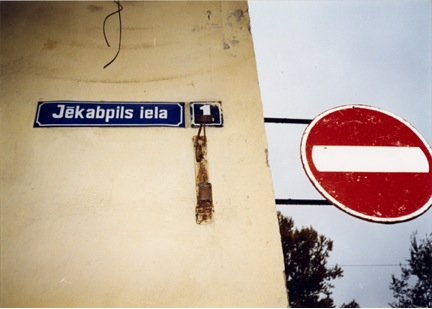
x=106, y=216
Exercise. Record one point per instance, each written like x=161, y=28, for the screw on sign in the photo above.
x=369, y=163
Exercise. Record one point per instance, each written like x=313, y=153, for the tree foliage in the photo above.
x=352, y=304
x=308, y=277
x=414, y=288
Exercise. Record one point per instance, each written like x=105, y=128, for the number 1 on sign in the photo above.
x=206, y=110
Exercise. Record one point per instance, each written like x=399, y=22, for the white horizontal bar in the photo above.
x=369, y=159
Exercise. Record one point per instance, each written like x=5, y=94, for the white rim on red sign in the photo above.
x=369, y=163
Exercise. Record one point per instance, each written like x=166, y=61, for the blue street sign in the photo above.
x=209, y=113
x=109, y=114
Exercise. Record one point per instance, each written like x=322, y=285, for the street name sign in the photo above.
x=369, y=163
x=109, y=114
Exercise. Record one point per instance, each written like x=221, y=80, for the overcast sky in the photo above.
x=316, y=55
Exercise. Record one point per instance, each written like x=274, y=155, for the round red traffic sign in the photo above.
x=369, y=163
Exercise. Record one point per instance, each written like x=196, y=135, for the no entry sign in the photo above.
x=369, y=163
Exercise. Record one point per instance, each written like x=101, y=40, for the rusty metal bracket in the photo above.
x=204, y=208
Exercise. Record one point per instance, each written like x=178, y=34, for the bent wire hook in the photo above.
x=119, y=9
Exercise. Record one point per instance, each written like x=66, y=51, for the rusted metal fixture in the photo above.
x=204, y=208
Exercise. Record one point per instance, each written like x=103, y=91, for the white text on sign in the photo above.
x=120, y=112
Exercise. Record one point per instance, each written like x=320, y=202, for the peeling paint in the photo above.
x=266, y=157
x=50, y=45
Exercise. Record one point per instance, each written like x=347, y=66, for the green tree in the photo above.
x=352, y=304
x=414, y=288
x=308, y=277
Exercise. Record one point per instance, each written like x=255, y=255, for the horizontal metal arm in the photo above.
x=301, y=202
x=287, y=120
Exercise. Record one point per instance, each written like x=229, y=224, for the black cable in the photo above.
x=119, y=9
x=370, y=265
